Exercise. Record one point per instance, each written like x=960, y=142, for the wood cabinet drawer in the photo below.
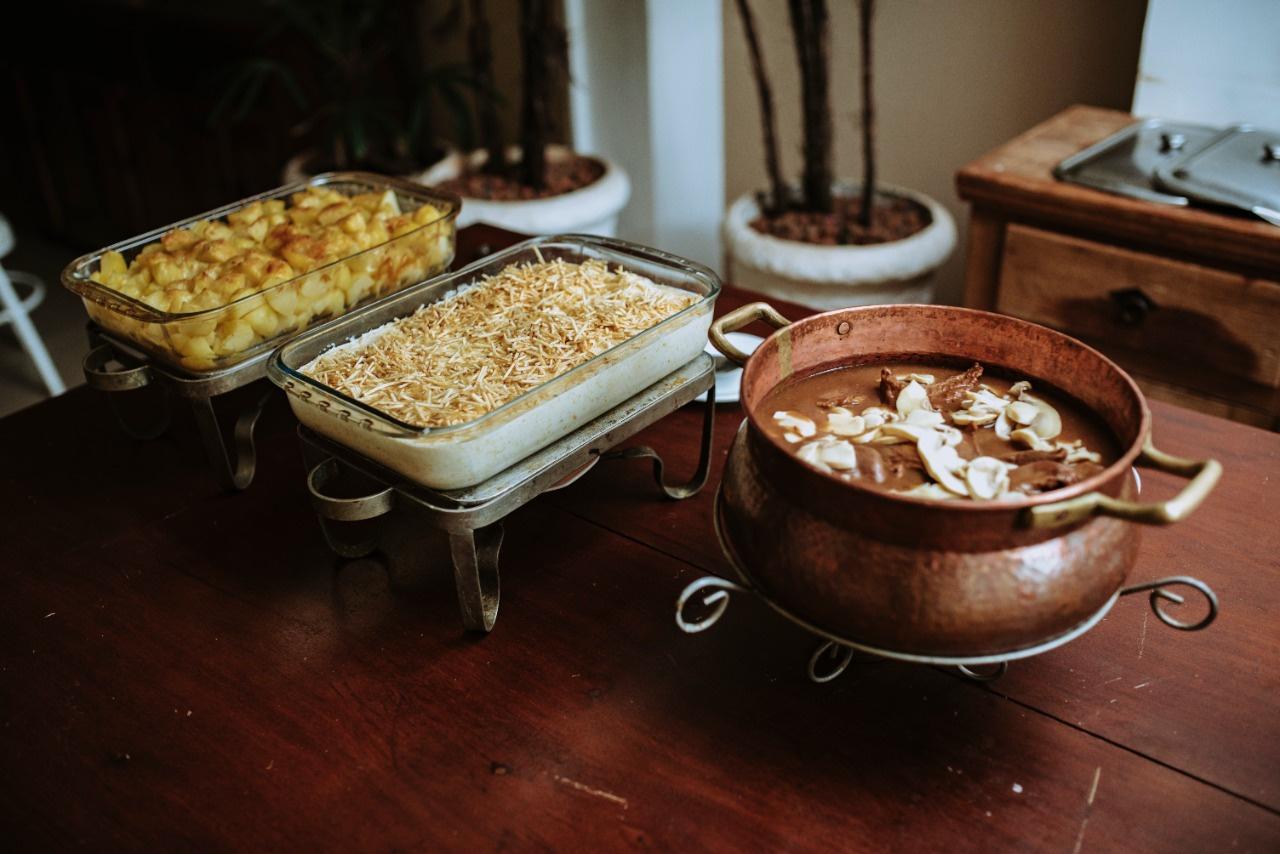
x=1199, y=317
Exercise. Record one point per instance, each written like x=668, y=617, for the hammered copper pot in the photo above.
x=922, y=576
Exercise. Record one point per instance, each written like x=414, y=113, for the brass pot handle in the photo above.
x=738, y=318
x=1204, y=476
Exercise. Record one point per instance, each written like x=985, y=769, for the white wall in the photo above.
x=1216, y=63
x=647, y=91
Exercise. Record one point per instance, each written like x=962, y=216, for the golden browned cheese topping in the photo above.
x=212, y=263
x=465, y=355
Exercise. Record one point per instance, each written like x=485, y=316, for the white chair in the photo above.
x=16, y=311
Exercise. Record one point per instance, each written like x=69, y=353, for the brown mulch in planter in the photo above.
x=563, y=176
x=894, y=218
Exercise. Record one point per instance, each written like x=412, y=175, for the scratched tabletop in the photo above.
x=184, y=667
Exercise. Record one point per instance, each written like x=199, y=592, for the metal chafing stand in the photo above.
x=834, y=654
x=472, y=517
x=234, y=462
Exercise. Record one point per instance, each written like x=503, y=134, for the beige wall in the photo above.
x=508, y=68
x=953, y=79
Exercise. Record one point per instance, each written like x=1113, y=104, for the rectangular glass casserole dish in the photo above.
x=243, y=325
x=465, y=454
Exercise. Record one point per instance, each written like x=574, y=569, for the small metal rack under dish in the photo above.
x=233, y=462
x=834, y=654
x=472, y=517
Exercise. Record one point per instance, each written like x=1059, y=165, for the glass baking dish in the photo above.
x=465, y=454
x=213, y=339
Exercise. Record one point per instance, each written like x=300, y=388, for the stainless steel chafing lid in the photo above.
x=1239, y=168
x=1125, y=162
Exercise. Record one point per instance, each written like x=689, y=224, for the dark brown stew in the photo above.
x=939, y=432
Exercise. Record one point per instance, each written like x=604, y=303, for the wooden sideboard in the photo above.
x=1186, y=299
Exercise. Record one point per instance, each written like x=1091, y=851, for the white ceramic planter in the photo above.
x=827, y=277
x=593, y=209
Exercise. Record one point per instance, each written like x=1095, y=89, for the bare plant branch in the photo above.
x=545, y=48
x=810, y=29
x=776, y=199
x=481, y=56
x=866, y=8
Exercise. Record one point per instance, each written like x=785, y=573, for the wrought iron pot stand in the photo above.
x=833, y=655
x=472, y=517
x=233, y=464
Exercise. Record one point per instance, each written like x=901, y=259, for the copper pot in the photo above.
x=922, y=576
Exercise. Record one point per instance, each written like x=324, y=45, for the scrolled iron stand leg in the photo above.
x=828, y=661
x=234, y=467
x=711, y=595
x=994, y=672
x=699, y=480
x=716, y=600
x=1160, y=594
x=475, y=574
x=112, y=382
x=330, y=509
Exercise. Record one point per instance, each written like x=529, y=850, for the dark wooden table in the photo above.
x=181, y=667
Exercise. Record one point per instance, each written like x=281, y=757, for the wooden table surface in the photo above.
x=181, y=667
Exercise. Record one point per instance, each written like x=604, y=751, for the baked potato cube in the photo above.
x=426, y=214
x=234, y=337
x=112, y=264
x=151, y=333
x=176, y=299
x=335, y=213
x=247, y=215
x=399, y=225
x=281, y=234
x=338, y=276
x=331, y=303
x=215, y=231
x=284, y=301
x=244, y=301
x=201, y=324
x=264, y=320
x=275, y=272
x=193, y=345
x=302, y=253
x=375, y=234
x=302, y=216
x=215, y=251
x=129, y=287
x=359, y=288
x=313, y=288
x=354, y=223
x=179, y=238
x=258, y=230
x=334, y=243
x=307, y=198
x=164, y=271
x=273, y=206
x=388, y=204
x=254, y=265
x=230, y=283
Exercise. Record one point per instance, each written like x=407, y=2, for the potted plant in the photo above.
x=824, y=243
x=355, y=73
x=534, y=187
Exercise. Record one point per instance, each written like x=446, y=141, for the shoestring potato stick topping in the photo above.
x=468, y=353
